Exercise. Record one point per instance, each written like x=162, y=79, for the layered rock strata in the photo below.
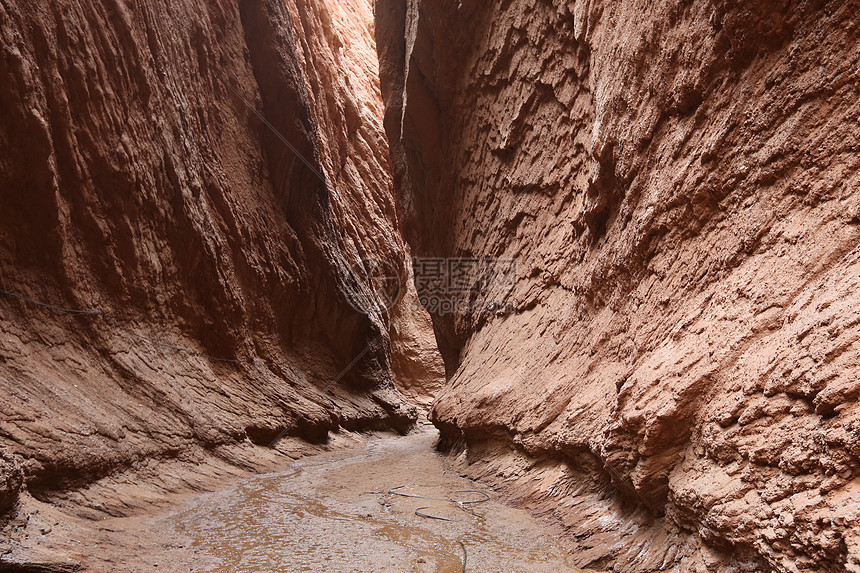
x=198, y=190
x=677, y=380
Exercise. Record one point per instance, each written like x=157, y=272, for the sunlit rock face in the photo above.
x=210, y=180
x=676, y=181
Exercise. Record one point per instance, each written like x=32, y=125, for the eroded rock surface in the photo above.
x=677, y=182
x=11, y=480
x=221, y=257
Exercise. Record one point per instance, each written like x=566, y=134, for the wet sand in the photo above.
x=361, y=503
x=360, y=509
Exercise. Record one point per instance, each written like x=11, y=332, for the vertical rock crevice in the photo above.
x=304, y=189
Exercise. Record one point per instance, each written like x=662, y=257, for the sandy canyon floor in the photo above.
x=379, y=503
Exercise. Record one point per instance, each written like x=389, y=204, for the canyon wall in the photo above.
x=202, y=193
x=675, y=382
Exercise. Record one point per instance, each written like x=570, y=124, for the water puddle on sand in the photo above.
x=355, y=510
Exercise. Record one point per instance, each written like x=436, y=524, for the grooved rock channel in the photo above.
x=677, y=381
x=223, y=262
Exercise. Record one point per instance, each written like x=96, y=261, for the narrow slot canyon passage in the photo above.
x=140, y=437
x=430, y=285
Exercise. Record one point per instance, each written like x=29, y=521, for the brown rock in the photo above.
x=219, y=257
x=677, y=381
x=11, y=480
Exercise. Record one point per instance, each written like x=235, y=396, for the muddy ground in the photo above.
x=370, y=503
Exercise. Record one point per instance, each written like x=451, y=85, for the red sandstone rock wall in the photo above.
x=678, y=184
x=337, y=53
x=134, y=180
